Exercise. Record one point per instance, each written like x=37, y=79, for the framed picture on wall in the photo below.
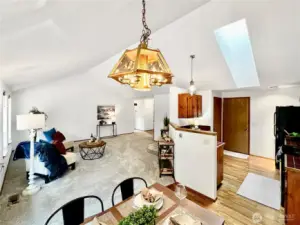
x=106, y=113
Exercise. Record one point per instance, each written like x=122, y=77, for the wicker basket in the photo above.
x=292, y=141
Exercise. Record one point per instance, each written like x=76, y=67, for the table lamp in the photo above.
x=31, y=122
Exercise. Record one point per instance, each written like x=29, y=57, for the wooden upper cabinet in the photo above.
x=189, y=106
x=182, y=105
x=199, y=105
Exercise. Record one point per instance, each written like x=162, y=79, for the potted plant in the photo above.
x=166, y=122
x=144, y=216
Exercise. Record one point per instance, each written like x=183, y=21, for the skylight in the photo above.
x=234, y=42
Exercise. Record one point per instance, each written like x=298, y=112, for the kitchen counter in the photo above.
x=197, y=161
x=220, y=144
x=291, y=183
x=292, y=155
x=192, y=130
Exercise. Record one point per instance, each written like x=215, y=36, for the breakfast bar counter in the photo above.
x=198, y=159
x=191, y=130
x=173, y=206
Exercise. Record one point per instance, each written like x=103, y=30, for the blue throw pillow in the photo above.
x=49, y=134
x=43, y=141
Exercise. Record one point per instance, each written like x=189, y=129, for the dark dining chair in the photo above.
x=73, y=211
x=127, y=188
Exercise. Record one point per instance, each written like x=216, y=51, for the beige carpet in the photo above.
x=125, y=156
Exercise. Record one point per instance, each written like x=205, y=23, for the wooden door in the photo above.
x=218, y=117
x=236, y=119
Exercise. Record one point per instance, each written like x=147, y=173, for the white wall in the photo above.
x=207, y=107
x=5, y=88
x=196, y=161
x=3, y=161
x=144, y=114
x=2, y=88
x=262, y=108
x=161, y=109
x=71, y=103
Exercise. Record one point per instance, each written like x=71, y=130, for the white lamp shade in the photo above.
x=30, y=121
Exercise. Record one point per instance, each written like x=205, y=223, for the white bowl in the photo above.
x=139, y=202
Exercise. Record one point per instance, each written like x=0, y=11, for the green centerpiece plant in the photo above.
x=144, y=216
x=295, y=134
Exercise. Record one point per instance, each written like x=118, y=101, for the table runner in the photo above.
x=108, y=218
x=126, y=208
x=177, y=211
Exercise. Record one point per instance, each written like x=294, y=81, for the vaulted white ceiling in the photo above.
x=48, y=39
x=274, y=32
x=43, y=40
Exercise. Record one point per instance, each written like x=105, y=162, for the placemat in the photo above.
x=126, y=208
x=179, y=210
x=108, y=218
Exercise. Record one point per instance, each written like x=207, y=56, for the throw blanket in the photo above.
x=47, y=153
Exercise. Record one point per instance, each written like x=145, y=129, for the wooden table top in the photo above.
x=205, y=215
x=96, y=144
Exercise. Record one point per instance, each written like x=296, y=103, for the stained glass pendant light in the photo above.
x=142, y=67
x=192, y=88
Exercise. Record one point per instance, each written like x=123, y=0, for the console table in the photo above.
x=113, y=126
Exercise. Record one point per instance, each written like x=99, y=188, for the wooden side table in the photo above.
x=166, y=158
x=91, y=151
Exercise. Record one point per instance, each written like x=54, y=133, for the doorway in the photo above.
x=236, y=120
x=144, y=115
x=218, y=117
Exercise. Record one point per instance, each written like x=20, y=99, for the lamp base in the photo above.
x=31, y=190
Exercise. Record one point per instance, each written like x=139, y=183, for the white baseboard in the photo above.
x=236, y=154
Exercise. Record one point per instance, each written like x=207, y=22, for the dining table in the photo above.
x=172, y=206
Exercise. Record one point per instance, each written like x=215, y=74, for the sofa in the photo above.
x=66, y=150
x=41, y=171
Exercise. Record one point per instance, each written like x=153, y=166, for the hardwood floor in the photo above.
x=236, y=209
x=150, y=132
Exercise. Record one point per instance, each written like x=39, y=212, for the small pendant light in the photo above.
x=192, y=88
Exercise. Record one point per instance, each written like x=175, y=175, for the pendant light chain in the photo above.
x=146, y=30
x=192, y=59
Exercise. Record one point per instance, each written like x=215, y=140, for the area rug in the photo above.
x=153, y=148
x=124, y=157
x=261, y=189
x=236, y=154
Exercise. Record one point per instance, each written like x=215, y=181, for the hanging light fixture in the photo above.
x=192, y=88
x=142, y=67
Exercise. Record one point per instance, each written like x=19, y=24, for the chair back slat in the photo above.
x=73, y=213
x=127, y=188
